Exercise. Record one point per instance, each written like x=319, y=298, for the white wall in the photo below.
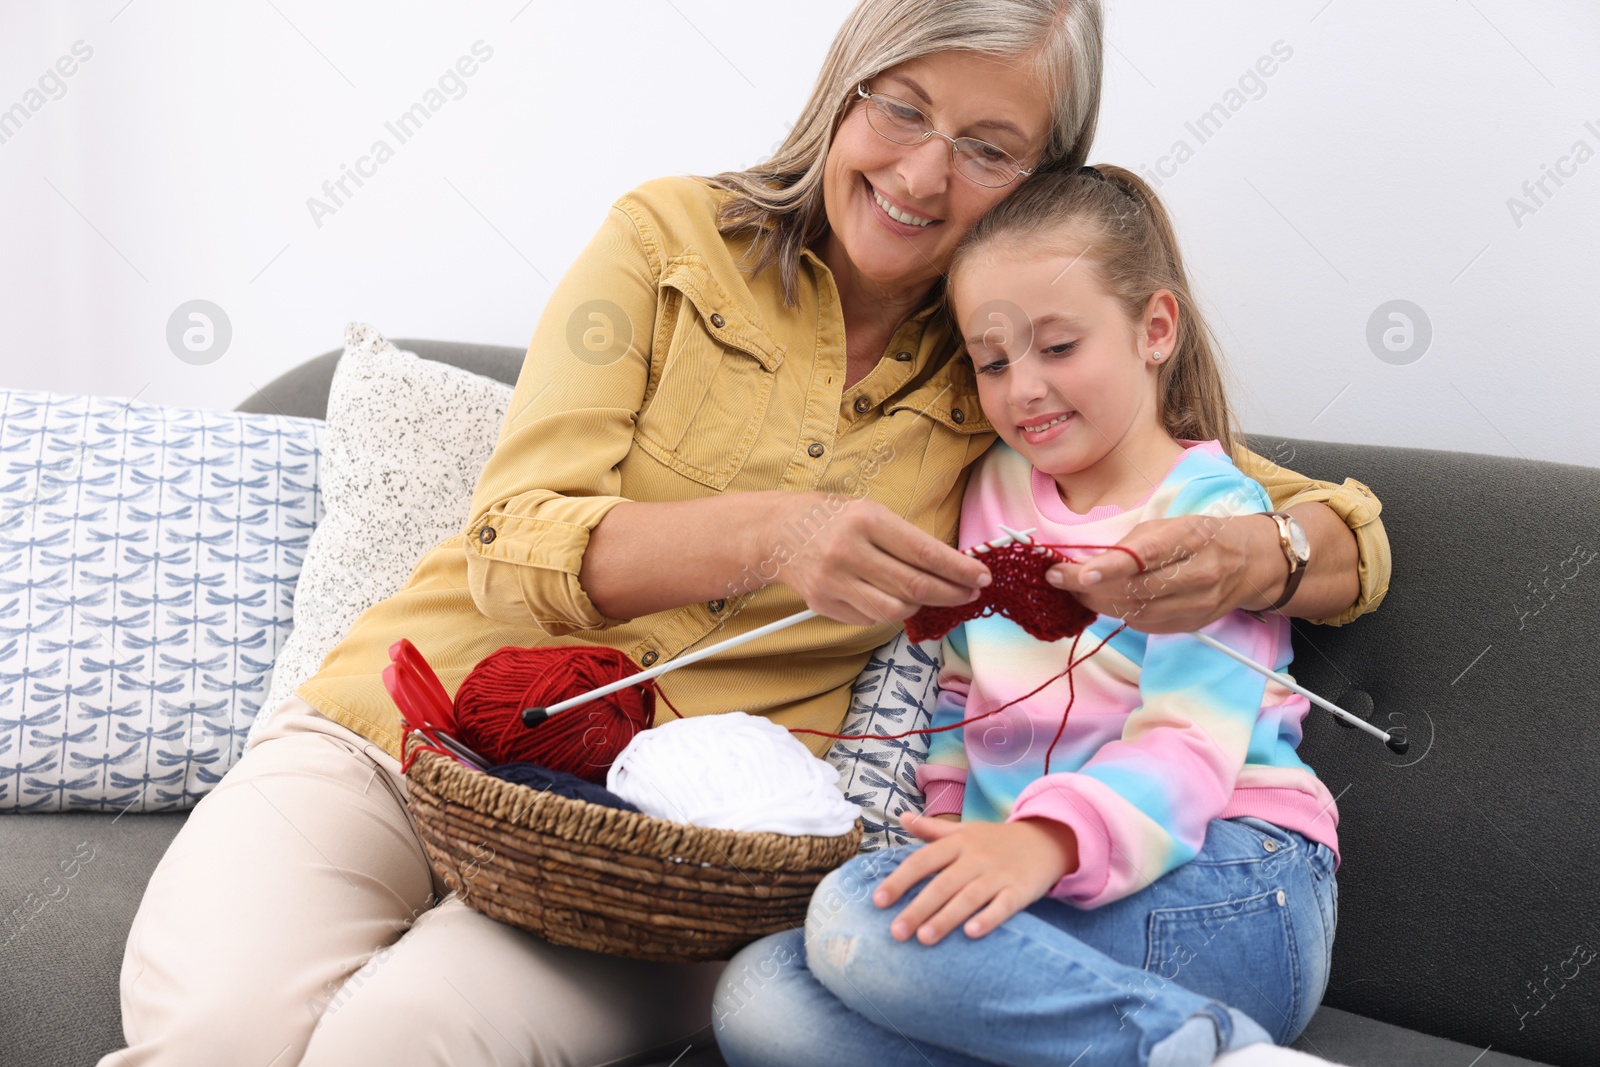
x=1376, y=163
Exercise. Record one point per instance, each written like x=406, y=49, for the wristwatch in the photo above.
x=1296, y=549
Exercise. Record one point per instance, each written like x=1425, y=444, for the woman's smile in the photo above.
x=896, y=216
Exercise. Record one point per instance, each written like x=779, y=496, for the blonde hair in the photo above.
x=1126, y=237
x=779, y=202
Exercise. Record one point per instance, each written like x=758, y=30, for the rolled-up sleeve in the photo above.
x=1353, y=502
x=554, y=474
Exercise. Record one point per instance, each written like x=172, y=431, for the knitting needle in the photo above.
x=1397, y=745
x=535, y=716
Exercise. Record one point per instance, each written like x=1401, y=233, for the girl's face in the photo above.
x=963, y=94
x=1067, y=379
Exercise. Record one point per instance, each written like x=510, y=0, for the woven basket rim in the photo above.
x=516, y=805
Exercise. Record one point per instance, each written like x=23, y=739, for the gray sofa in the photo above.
x=1469, y=886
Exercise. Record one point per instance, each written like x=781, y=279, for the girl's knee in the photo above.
x=844, y=897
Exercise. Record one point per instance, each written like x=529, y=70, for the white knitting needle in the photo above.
x=1395, y=744
x=534, y=716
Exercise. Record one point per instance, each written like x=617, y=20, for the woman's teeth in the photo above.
x=895, y=213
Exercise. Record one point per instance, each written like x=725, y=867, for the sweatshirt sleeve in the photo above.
x=943, y=776
x=553, y=474
x=1353, y=502
x=1140, y=807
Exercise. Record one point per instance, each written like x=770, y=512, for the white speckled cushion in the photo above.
x=406, y=439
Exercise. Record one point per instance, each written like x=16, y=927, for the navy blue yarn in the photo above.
x=560, y=783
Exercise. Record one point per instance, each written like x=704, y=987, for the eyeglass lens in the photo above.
x=904, y=123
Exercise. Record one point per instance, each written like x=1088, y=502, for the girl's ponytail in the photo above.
x=1125, y=233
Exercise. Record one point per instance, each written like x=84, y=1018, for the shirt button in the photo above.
x=957, y=415
x=716, y=605
x=486, y=535
x=903, y=357
x=816, y=449
x=718, y=321
x=862, y=404
x=1270, y=845
x=649, y=657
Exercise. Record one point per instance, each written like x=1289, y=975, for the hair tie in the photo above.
x=1091, y=171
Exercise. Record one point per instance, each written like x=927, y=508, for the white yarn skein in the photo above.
x=733, y=771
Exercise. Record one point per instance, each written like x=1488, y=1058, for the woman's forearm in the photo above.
x=647, y=557
x=1332, y=581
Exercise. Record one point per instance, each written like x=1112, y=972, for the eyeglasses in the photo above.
x=904, y=123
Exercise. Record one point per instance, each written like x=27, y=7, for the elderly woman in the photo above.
x=738, y=403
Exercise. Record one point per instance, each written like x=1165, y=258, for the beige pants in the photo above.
x=293, y=921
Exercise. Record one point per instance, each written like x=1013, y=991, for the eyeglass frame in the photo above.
x=866, y=94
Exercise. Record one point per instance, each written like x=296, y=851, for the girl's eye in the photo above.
x=1054, y=350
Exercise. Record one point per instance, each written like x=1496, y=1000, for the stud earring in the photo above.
x=1156, y=356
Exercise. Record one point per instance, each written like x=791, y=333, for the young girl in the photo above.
x=1155, y=885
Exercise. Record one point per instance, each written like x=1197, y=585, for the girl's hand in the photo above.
x=1200, y=567
x=987, y=873
x=855, y=561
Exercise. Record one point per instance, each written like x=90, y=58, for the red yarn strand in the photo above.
x=1071, y=663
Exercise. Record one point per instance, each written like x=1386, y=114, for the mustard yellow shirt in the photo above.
x=659, y=371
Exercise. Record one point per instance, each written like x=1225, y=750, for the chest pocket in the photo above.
x=711, y=377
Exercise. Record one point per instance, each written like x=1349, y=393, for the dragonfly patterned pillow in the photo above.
x=148, y=558
x=894, y=693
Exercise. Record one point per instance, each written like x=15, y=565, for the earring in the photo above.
x=1156, y=356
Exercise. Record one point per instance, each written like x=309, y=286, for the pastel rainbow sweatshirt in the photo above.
x=1165, y=733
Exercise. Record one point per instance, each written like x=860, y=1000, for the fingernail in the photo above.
x=1054, y=578
x=983, y=579
x=1091, y=577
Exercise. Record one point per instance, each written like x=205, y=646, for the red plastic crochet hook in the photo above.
x=431, y=702
x=424, y=703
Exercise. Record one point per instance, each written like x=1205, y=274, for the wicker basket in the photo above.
x=609, y=880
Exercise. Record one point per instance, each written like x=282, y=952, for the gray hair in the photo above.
x=779, y=202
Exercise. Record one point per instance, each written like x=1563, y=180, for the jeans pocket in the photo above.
x=1274, y=838
x=1333, y=908
x=1242, y=952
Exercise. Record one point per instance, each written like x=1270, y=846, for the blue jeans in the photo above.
x=1239, y=936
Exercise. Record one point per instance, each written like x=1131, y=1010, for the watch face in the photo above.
x=1298, y=542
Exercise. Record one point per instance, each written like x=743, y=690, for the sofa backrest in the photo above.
x=1470, y=877
x=1470, y=882
x=303, y=390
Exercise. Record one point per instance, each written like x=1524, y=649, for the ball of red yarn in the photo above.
x=583, y=740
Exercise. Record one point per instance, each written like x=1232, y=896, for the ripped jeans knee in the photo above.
x=847, y=936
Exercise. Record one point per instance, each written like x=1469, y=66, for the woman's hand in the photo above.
x=987, y=872
x=1198, y=568
x=856, y=561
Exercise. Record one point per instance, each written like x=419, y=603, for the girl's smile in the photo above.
x=1048, y=428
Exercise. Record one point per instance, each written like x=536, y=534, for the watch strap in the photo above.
x=1296, y=570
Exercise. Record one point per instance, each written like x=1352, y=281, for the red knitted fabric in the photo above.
x=1018, y=591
